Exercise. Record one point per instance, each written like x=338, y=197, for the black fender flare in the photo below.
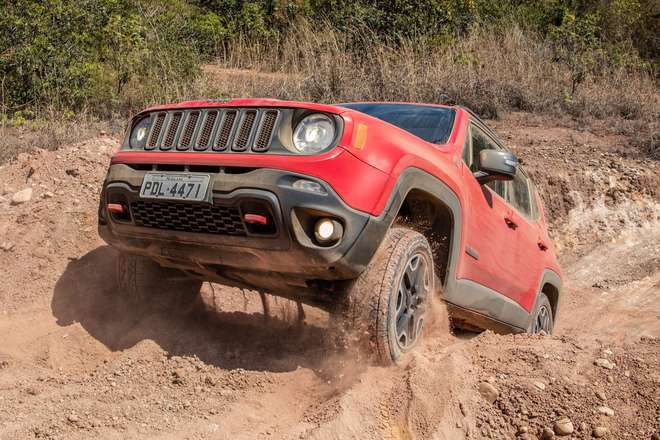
x=410, y=179
x=548, y=276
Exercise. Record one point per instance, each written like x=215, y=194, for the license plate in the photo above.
x=191, y=187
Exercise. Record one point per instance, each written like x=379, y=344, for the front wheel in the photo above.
x=385, y=308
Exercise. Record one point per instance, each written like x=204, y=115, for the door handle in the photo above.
x=510, y=223
x=542, y=245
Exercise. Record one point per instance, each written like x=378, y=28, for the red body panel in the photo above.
x=364, y=172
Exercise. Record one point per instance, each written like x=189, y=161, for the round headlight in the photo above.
x=314, y=133
x=140, y=132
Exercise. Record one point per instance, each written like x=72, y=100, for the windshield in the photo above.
x=433, y=124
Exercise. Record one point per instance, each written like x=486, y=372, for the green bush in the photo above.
x=116, y=55
x=76, y=54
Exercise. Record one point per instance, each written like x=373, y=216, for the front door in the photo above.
x=490, y=238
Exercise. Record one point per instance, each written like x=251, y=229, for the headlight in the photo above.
x=140, y=133
x=314, y=133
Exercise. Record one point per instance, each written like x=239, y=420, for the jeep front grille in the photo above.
x=237, y=129
x=186, y=217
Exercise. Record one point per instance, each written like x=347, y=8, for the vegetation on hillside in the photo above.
x=101, y=57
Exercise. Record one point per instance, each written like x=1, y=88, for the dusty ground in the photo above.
x=76, y=362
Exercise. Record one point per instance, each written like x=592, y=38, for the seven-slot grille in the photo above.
x=188, y=217
x=235, y=129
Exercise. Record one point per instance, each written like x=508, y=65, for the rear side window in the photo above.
x=480, y=142
x=518, y=194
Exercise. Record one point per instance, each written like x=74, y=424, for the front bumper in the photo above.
x=286, y=258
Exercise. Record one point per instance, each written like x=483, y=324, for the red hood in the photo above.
x=249, y=102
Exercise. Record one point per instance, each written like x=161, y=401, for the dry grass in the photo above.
x=52, y=131
x=490, y=71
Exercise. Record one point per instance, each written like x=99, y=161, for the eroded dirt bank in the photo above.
x=76, y=362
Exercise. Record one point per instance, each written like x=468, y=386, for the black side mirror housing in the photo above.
x=496, y=165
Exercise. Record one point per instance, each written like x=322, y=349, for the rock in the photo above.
x=563, y=426
x=583, y=427
x=73, y=418
x=23, y=196
x=462, y=408
x=600, y=395
x=523, y=430
x=610, y=379
x=604, y=363
x=547, y=434
x=488, y=392
x=47, y=195
x=7, y=246
x=539, y=385
x=605, y=411
x=599, y=431
x=32, y=391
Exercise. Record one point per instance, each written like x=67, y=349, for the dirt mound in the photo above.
x=78, y=362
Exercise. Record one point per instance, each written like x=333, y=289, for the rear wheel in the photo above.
x=141, y=279
x=385, y=308
x=542, y=319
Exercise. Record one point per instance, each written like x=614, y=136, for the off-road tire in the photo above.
x=142, y=280
x=542, y=318
x=368, y=312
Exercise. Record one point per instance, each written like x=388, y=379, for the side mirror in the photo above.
x=496, y=165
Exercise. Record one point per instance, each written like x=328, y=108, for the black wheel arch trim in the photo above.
x=548, y=276
x=410, y=179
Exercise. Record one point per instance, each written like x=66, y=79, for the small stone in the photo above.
x=599, y=431
x=583, y=427
x=539, y=385
x=547, y=434
x=73, y=418
x=7, y=246
x=47, y=195
x=23, y=196
x=462, y=408
x=522, y=430
x=600, y=395
x=606, y=411
x=604, y=363
x=563, y=426
x=32, y=391
x=627, y=374
x=610, y=379
x=488, y=392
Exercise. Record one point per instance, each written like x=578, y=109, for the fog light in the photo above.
x=328, y=231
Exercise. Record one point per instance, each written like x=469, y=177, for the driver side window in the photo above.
x=480, y=142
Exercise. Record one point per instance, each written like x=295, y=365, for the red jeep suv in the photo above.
x=364, y=210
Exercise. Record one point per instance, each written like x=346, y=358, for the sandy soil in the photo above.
x=76, y=362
